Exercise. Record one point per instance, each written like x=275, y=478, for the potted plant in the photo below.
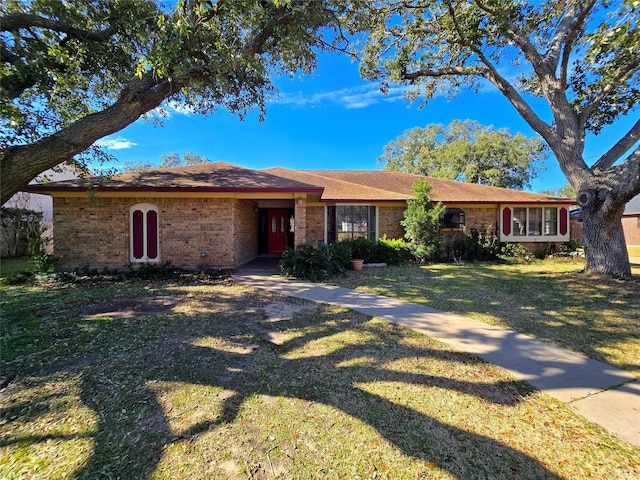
x=356, y=264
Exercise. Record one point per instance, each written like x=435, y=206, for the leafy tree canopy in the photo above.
x=74, y=72
x=468, y=152
x=566, y=191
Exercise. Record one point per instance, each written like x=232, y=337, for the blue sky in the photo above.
x=332, y=119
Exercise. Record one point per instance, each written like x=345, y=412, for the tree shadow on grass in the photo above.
x=132, y=430
x=126, y=446
x=566, y=309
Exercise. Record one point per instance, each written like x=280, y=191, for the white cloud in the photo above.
x=360, y=96
x=115, y=143
x=167, y=110
x=180, y=108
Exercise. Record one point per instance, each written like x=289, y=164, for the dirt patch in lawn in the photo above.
x=281, y=313
x=130, y=307
x=286, y=310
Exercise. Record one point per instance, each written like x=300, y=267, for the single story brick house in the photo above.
x=222, y=215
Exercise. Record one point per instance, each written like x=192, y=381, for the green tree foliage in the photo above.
x=568, y=67
x=19, y=227
x=468, y=152
x=565, y=191
x=167, y=160
x=74, y=72
x=422, y=222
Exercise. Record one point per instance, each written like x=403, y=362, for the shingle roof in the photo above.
x=333, y=185
x=214, y=176
x=337, y=189
x=385, y=185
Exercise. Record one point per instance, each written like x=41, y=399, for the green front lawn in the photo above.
x=205, y=379
x=10, y=267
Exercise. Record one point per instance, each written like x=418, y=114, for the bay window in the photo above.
x=535, y=224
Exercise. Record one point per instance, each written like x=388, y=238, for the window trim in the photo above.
x=145, y=208
x=507, y=230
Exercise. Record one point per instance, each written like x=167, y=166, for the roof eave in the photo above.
x=467, y=202
x=45, y=189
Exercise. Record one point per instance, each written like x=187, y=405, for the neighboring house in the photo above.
x=36, y=202
x=39, y=202
x=222, y=215
x=631, y=223
x=575, y=217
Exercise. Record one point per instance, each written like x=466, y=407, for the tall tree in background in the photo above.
x=569, y=68
x=74, y=72
x=468, y=152
x=563, y=191
x=167, y=160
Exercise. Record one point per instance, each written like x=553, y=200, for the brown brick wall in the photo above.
x=389, y=222
x=301, y=219
x=190, y=227
x=245, y=231
x=98, y=235
x=480, y=218
x=475, y=217
x=88, y=235
x=224, y=230
x=315, y=225
x=631, y=230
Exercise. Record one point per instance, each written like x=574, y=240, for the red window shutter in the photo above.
x=506, y=221
x=152, y=235
x=138, y=235
x=564, y=221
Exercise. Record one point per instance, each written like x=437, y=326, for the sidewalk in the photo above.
x=601, y=393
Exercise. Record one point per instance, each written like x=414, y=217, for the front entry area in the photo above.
x=275, y=230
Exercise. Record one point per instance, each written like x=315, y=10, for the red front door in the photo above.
x=278, y=228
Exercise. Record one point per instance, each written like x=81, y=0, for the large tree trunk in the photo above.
x=604, y=243
x=21, y=163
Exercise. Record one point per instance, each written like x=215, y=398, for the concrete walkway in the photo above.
x=601, y=393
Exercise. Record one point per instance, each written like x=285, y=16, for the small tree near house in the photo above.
x=422, y=222
x=19, y=229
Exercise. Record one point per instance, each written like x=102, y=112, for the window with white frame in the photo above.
x=538, y=224
x=350, y=221
x=143, y=228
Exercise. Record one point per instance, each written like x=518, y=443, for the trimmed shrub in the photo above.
x=361, y=247
x=393, y=251
x=340, y=254
x=517, y=250
x=318, y=263
x=309, y=263
x=389, y=251
x=472, y=244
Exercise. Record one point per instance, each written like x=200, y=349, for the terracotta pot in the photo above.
x=356, y=264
